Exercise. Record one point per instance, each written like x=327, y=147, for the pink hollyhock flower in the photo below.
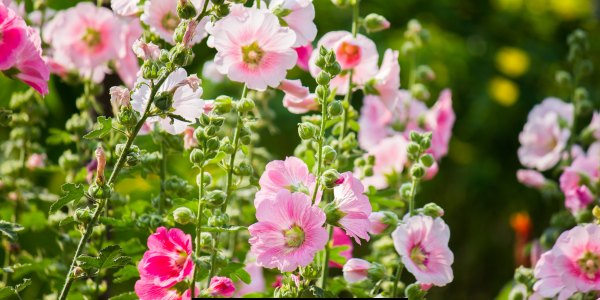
x=253, y=48
x=186, y=100
x=341, y=239
x=304, y=53
x=378, y=224
x=36, y=161
x=535, y=253
x=531, y=178
x=13, y=31
x=278, y=281
x=410, y=113
x=221, y=287
x=125, y=7
x=210, y=72
x=374, y=121
x=440, y=120
x=30, y=66
x=294, y=88
x=358, y=54
x=257, y=285
x=189, y=138
x=390, y=158
x=431, y=171
x=119, y=96
x=545, y=134
x=168, y=259
x=161, y=16
x=595, y=125
x=577, y=195
x=289, y=231
x=127, y=65
x=350, y=208
x=147, y=289
x=298, y=99
x=290, y=174
x=422, y=243
x=387, y=81
x=356, y=270
x=299, y=16
x=146, y=51
x=549, y=282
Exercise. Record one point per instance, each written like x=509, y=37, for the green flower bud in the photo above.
x=426, y=141
x=405, y=190
x=164, y=101
x=215, y=198
x=334, y=69
x=523, y=275
x=330, y=178
x=82, y=215
x=322, y=92
x=210, y=130
x=307, y=131
x=246, y=140
x=335, y=108
x=329, y=58
x=413, y=148
x=596, y=212
x=320, y=62
x=414, y=292
x=420, y=91
x=217, y=121
x=549, y=237
x=433, y=210
x=368, y=171
x=350, y=141
x=197, y=156
x=205, y=238
x=183, y=215
x=150, y=70
x=243, y=169
x=185, y=9
x=360, y=162
x=222, y=10
x=371, y=160
x=417, y=171
x=323, y=78
x=223, y=105
x=180, y=30
x=375, y=23
x=181, y=56
x=341, y=3
x=245, y=105
x=226, y=147
x=376, y=272
x=213, y=144
x=127, y=117
x=415, y=136
x=427, y=160
x=132, y=159
x=329, y=154
x=99, y=192
x=425, y=73
x=164, y=56
x=207, y=179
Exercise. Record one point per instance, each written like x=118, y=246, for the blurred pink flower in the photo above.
x=189, y=138
x=36, y=161
x=440, y=120
x=304, y=53
x=290, y=174
x=377, y=220
x=289, y=231
x=257, y=285
x=387, y=79
x=14, y=36
x=161, y=16
x=577, y=195
x=299, y=16
x=210, y=72
x=390, y=157
x=374, y=121
x=549, y=282
x=168, y=259
x=147, y=289
x=356, y=270
x=422, y=243
x=125, y=7
x=221, y=287
x=341, y=239
x=531, y=178
x=298, y=99
x=545, y=134
x=352, y=207
x=253, y=48
x=119, y=96
x=127, y=65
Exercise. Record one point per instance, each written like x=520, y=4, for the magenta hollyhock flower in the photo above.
x=161, y=16
x=147, y=289
x=390, y=158
x=13, y=33
x=125, y=7
x=221, y=287
x=422, y=243
x=356, y=270
x=440, y=120
x=358, y=54
x=304, y=53
x=299, y=16
x=168, y=259
x=290, y=174
x=387, y=80
x=545, y=134
x=289, y=231
x=577, y=195
x=531, y=178
x=350, y=208
x=253, y=48
x=186, y=100
x=341, y=239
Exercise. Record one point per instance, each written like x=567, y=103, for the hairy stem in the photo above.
x=320, y=150
x=396, y=280
x=325, y=266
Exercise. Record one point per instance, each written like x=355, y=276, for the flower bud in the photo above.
x=221, y=287
x=213, y=144
x=427, y=160
x=381, y=221
x=197, y=156
x=244, y=169
x=334, y=69
x=163, y=101
x=127, y=117
x=323, y=78
x=150, y=70
x=101, y=164
x=433, y=210
x=417, y=171
x=307, y=130
x=119, y=96
x=356, y=269
x=420, y=91
x=405, y=190
x=322, y=92
x=341, y=3
x=185, y=9
x=99, y=192
x=335, y=108
x=215, y=198
x=181, y=56
x=210, y=130
x=245, y=105
x=223, y=105
x=375, y=23
x=183, y=215
x=83, y=215
x=132, y=159
x=426, y=141
x=320, y=62
x=376, y=272
x=413, y=148
x=207, y=179
x=330, y=178
x=78, y=272
x=415, y=292
x=329, y=154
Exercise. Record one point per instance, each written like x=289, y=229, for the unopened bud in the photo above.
x=335, y=108
x=163, y=101
x=433, y=210
x=101, y=164
x=417, y=171
x=245, y=105
x=185, y=9
x=307, y=130
x=330, y=178
x=183, y=215
x=375, y=22
x=215, y=198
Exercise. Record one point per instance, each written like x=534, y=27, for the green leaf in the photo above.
x=11, y=269
x=110, y=257
x=243, y=275
x=59, y=137
x=125, y=296
x=72, y=192
x=10, y=229
x=10, y=291
x=126, y=273
x=102, y=128
x=336, y=256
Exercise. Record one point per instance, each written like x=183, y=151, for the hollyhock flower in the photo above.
x=440, y=120
x=298, y=15
x=147, y=289
x=549, y=282
x=378, y=224
x=186, y=101
x=290, y=174
x=374, y=121
x=531, y=178
x=125, y=7
x=390, y=158
x=36, y=160
x=341, y=239
x=30, y=67
x=119, y=96
x=422, y=243
x=386, y=83
x=545, y=134
x=146, y=51
x=577, y=195
x=595, y=125
x=289, y=231
x=257, y=285
x=221, y=287
x=253, y=48
x=298, y=99
x=356, y=270
x=168, y=259
x=410, y=113
x=127, y=65
x=210, y=72
x=13, y=31
x=189, y=138
x=358, y=54
x=304, y=53
x=162, y=18
x=350, y=208
x=278, y=281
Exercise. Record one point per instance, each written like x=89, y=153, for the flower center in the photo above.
x=589, y=264
x=170, y=21
x=252, y=55
x=294, y=237
x=419, y=257
x=91, y=37
x=180, y=261
x=348, y=55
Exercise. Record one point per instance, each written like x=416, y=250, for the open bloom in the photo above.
x=298, y=15
x=358, y=54
x=13, y=33
x=125, y=7
x=304, y=53
x=253, y=48
x=585, y=168
x=386, y=82
x=186, y=100
x=289, y=231
x=127, y=65
x=221, y=287
x=168, y=259
x=356, y=270
x=290, y=174
x=161, y=16
x=374, y=121
x=422, y=243
x=350, y=208
x=545, y=134
x=440, y=120
x=148, y=290
x=390, y=158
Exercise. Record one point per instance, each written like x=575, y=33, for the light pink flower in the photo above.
x=168, y=259
x=378, y=224
x=253, y=48
x=186, y=101
x=374, y=121
x=258, y=283
x=304, y=53
x=577, y=195
x=298, y=99
x=387, y=80
x=422, y=243
x=390, y=157
x=125, y=7
x=358, y=54
x=36, y=160
x=13, y=31
x=595, y=125
x=146, y=51
x=161, y=16
x=299, y=16
x=289, y=231
x=352, y=207
x=127, y=65
x=119, y=96
x=147, y=289
x=221, y=287
x=290, y=174
x=356, y=270
x=549, y=282
x=545, y=134
x=210, y=72
x=440, y=120
x=531, y=178
x=341, y=239
x=189, y=138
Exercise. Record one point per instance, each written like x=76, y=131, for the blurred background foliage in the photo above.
x=499, y=58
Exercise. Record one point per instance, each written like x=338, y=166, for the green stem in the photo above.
x=413, y=193
x=396, y=280
x=198, y=228
x=320, y=150
x=325, y=262
x=163, y=175
x=6, y=262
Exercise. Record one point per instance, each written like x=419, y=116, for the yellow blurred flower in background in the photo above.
x=511, y=61
x=503, y=91
x=571, y=9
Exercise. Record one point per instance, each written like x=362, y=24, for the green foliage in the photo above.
x=101, y=129
x=109, y=258
x=8, y=291
x=10, y=230
x=71, y=192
